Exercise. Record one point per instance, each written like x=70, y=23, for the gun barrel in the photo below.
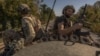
x=84, y=10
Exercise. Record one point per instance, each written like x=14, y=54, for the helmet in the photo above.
x=23, y=8
x=68, y=7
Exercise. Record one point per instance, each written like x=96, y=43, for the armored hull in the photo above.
x=57, y=48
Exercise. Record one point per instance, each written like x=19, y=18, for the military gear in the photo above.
x=68, y=7
x=54, y=35
x=28, y=26
x=13, y=42
x=67, y=23
x=24, y=8
x=59, y=20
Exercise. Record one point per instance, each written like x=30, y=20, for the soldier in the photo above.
x=62, y=23
x=30, y=25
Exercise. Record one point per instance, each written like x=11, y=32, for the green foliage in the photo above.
x=45, y=13
x=95, y=27
x=92, y=16
x=9, y=17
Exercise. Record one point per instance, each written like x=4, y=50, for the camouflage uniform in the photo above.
x=28, y=24
x=11, y=37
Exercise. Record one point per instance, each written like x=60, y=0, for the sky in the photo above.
x=61, y=3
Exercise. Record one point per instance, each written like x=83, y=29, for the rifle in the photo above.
x=81, y=19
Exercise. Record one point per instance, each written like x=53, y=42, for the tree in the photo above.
x=8, y=9
x=45, y=12
x=10, y=18
x=92, y=16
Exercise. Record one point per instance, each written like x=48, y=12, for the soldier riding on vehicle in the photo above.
x=30, y=25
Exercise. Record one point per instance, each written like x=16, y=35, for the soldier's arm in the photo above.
x=38, y=25
x=64, y=31
x=26, y=27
